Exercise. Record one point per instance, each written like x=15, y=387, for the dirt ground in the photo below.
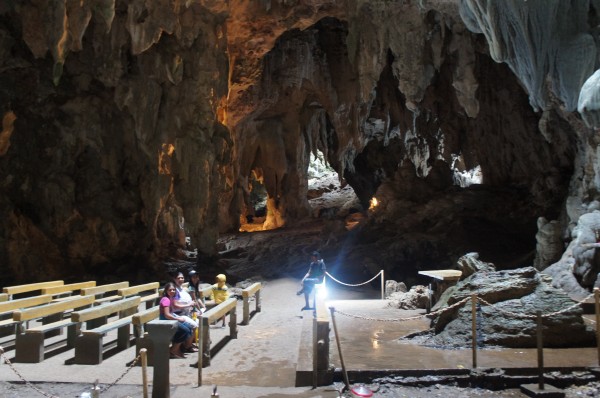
x=261, y=362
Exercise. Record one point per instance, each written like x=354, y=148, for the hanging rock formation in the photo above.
x=129, y=125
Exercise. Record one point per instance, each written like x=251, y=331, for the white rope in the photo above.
x=353, y=285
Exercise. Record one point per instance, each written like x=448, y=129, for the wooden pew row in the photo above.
x=67, y=290
x=100, y=292
x=30, y=340
x=147, y=291
x=89, y=342
x=228, y=306
x=7, y=309
x=30, y=287
x=247, y=293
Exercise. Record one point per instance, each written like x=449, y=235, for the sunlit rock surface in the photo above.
x=129, y=125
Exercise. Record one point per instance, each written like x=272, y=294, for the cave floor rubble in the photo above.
x=264, y=359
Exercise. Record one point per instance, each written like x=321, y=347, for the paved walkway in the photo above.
x=261, y=362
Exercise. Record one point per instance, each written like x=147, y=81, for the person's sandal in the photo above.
x=176, y=356
x=190, y=349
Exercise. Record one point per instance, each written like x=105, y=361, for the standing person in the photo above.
x=194, y=291
x=219, y=293
x=183, y=335
x=315, y=274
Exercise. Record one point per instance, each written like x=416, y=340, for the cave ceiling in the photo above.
x=129, y=125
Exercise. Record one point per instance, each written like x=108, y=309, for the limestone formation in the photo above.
x=129, y=127
x=506, y=315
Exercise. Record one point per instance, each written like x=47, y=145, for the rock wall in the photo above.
x=128, y=125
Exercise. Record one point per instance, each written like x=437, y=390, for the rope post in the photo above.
x=200, y=350
x=597, y=303
x=337, y=340
x=144, y=355
x=474, y=328
x=315, y=352
x=540, y=351
x=382, y=286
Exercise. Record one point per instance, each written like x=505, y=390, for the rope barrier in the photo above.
x=435, y=313
x=33, y=387
x=353, y=285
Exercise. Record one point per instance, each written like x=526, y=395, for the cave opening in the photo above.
x=256, y=205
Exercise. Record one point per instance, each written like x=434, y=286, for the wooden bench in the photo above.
x=228, y=306
x=100, y=292
x=3, y=297
x=88, y=343
x=150, y=291
x=252, y=290
x=30, y=287
x=30, y=340
x=67, y=289
x=8, y=307
x=442, y=279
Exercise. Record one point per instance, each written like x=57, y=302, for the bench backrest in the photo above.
x=52, y=308
x=68, y=288
x=220, y=310
x=145, y=316
x=111, y=287
x=105, y=309
x=30, y=287
x=17, y=304
x=128, y=291
x=250, y=290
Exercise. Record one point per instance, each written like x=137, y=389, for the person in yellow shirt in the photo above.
x=219, y=293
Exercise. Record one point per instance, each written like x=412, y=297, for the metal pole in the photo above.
x=540, y=351
x=597, y=304
x=144, y=355
x=337, y=340
x=200, y=349
x=315, y=354
x=474, y=328
x=382, y=286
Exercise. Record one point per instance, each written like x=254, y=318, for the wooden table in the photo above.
x=443, y=279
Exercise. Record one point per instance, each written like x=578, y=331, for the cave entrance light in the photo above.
x=462, y=176
x=256, y=206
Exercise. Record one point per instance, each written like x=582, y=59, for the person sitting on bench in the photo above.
x=219, y=293
x=184, y=334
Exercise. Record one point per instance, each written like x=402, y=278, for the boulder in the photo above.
x=506, y=313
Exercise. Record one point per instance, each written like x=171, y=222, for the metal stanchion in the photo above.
x=200, y=349
x=540, y=351
x=382, y=286
x=144, y=355
x=597, y=305
x=315, y=353
x=474, y=328
x=337, y=340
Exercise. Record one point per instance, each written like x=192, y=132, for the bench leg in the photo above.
x=29, y=348
x=123, y=337
x=246, y=319
x=88, y=349
x=257, y=298
x=145, y=342
x=233, y=324
x=205, y=344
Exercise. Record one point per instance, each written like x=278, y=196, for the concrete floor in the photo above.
x=262, y=361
